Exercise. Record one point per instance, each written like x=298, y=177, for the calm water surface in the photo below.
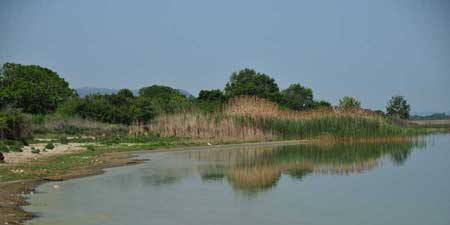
x=344, y=184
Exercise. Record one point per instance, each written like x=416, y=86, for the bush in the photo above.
x=398, y=107
x=49, y=146
x=35, y=150
x=349, y=103
x=14, y=125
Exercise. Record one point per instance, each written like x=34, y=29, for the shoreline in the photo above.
x=12, y=193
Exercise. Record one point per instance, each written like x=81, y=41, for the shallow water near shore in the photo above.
x=352, y=184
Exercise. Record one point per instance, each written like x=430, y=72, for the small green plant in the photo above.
x=49, y=146
x=35, y=150
x=90, y=147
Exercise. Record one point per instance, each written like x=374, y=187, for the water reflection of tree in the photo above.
x=255, y=169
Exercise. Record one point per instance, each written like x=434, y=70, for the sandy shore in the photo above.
x=26, y=155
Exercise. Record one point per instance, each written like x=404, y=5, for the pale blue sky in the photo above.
x=363, y=48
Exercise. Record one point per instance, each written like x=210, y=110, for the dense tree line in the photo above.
x=123, y=107
x=38, y=90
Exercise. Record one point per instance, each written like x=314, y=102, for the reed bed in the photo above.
x=207, y=126
x=251, y=118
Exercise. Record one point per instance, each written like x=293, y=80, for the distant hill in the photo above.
x=83, y=91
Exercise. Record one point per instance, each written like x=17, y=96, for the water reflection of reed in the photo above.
x=260, y=168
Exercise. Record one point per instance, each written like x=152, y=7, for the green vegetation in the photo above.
x=348, y=102
x=11, y=146
x=14, y=125
x=297, y=97
x=330, y=125
x=249, y=82
x=210, y=100
x=32, y=88
x=121, y=108
x=165, y=99
x=35, y=150
x=49, y=146
x=398, y=107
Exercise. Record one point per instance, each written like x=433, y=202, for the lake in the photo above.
x=345, y=184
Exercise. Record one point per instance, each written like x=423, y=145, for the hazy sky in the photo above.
x=363, y=48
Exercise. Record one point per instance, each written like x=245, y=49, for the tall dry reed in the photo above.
x=253, y=118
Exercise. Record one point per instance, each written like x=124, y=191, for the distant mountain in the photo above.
x=185, y=93
x=83, y=91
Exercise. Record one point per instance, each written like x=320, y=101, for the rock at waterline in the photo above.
x=2, y=158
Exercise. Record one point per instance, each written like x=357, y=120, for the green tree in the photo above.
x=69, y=107
x=165, y=99
x=348, y=102
x=158, y=91
x=96, y=107
x=210, y=100
x=297, y=97
x=32, y=88
x=399, y=107
x=321, y=104
x=250, y=82
x=211, y=95
x=143, y=110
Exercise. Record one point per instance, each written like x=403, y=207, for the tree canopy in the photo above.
x=399, y=107
x=297, y=97
x=210, y=100
x=165, y=99
x=250, y=82
x=348, y=102
x=32, y=88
